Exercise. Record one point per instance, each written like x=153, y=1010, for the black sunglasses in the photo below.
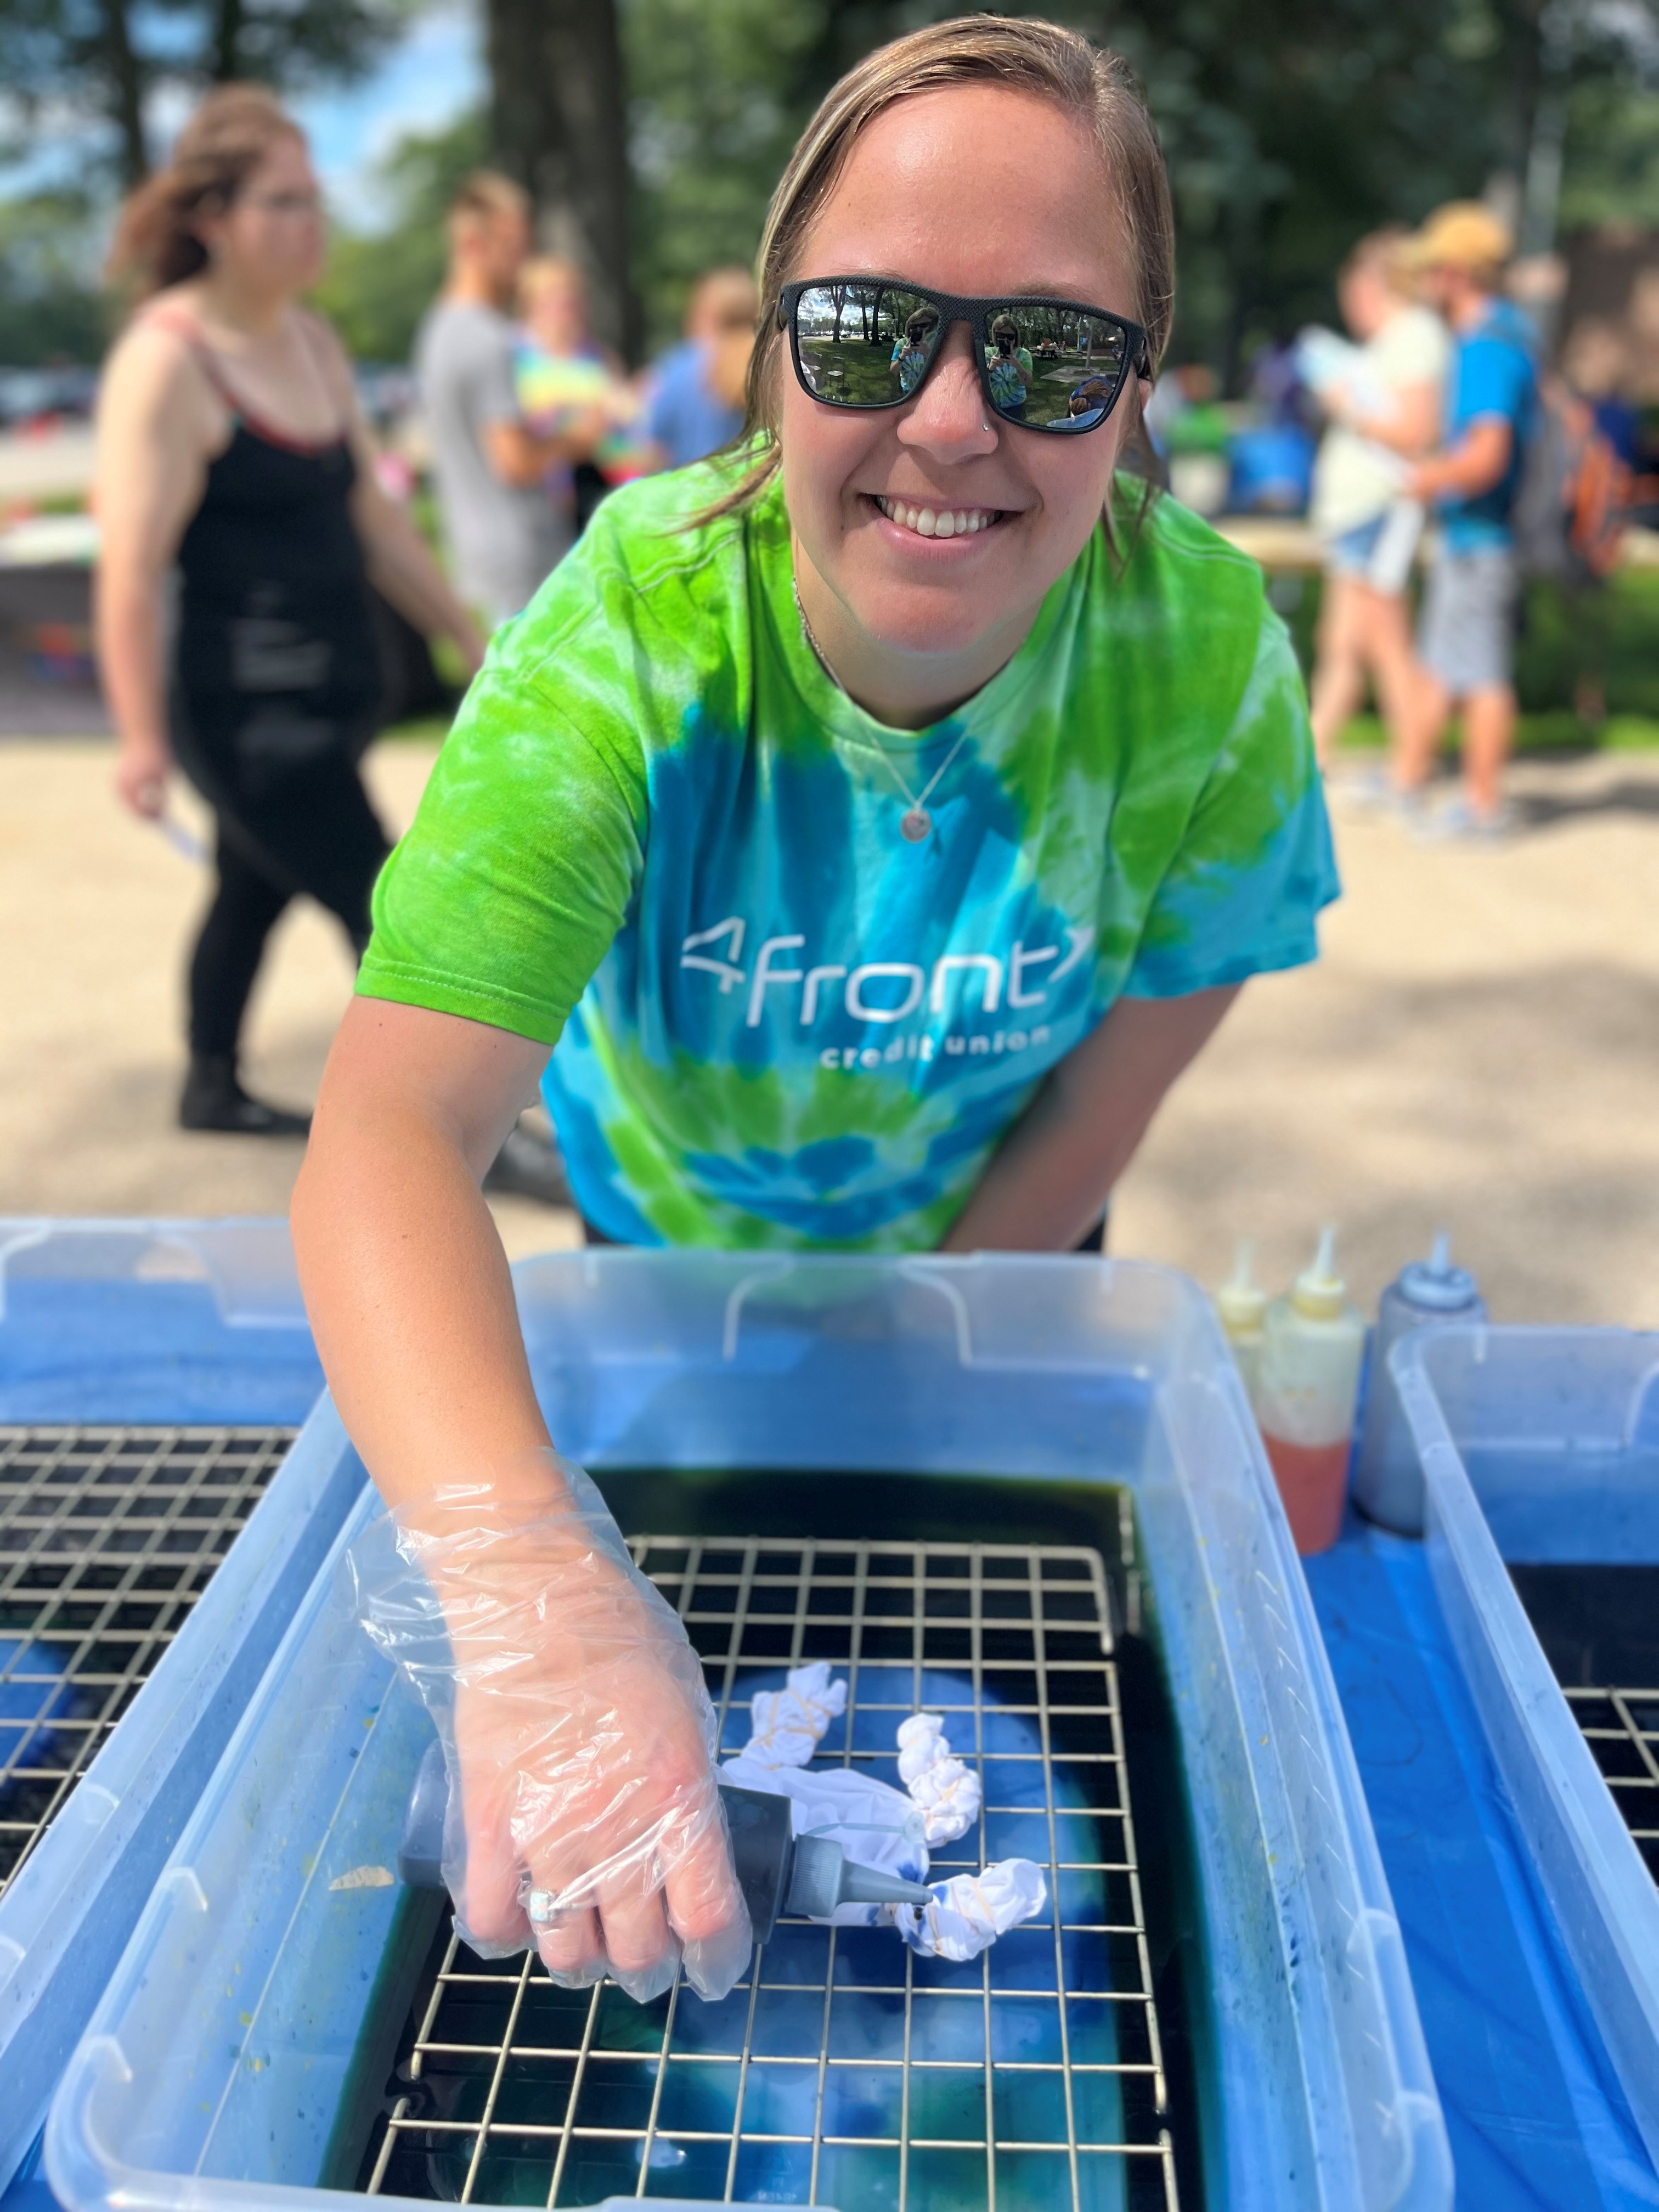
x=870, y=342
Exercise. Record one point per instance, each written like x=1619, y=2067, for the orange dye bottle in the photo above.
x=1307, y=1385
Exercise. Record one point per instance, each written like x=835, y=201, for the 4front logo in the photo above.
x=882, y=990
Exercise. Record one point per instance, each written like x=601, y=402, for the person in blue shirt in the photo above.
x=694, y=401
x=1465, y=641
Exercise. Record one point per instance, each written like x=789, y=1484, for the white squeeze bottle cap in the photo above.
x=1242, y=1303
x=1435, y=1284
x=1320, y=1292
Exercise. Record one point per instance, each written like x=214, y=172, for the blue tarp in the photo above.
x=1537, y=2120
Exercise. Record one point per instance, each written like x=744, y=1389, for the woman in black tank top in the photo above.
x=230, y=442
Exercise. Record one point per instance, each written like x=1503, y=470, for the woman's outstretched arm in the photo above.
x=404, y=1273
x=1046, y=1185
x=583, y=1736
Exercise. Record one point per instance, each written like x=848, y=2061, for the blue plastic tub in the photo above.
x=217, y=2065
x=141, y=1322
x=1541, y=1447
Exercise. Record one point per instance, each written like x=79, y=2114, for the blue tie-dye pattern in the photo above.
x=796, y=846
x=1234, y=921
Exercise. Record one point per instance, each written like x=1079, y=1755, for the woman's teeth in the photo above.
x=938, y=521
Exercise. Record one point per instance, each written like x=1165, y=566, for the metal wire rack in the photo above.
x=846, y=2070
x=107, y=1538
x=1622, y=1729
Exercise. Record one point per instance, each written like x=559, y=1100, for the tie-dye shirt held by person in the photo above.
x=662, y=841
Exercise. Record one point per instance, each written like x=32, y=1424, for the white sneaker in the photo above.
x=1368, y=791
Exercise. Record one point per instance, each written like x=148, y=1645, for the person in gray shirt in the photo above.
x=505, y=529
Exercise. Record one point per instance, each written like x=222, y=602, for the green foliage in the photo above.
x=378, y=287
x=718, y=90
x=50, y=307
x=1290, y=132
x=1609, y=636
x=1611, y=173
x=1572, y=644
x=111, y=55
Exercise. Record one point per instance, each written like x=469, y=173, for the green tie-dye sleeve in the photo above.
x=508, y=890
x=1255, y=864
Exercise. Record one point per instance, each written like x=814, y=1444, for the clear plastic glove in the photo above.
x=577, y=1732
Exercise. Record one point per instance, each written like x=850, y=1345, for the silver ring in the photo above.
x=542, y=1908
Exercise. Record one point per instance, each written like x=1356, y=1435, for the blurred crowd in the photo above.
x=1430, y=436
x=243, y=457
x=530, y=421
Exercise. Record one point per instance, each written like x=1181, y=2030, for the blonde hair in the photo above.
x=1091, y=85
x=156, y=241
x=543, y=271
x=1382, y=253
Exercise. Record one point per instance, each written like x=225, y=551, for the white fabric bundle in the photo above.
x=787, y=1725
x=971, y=1910
x=948, y=1792
x=878, y=1826
x=875, y=1825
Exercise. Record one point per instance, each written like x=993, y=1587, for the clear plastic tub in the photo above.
x=230, y=2038
x=1540, y=1447
x=145, y=1322
x=153, y=1321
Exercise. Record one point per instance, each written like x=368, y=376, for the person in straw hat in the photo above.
x=1467, y=638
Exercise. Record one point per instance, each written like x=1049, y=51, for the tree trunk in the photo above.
x=126, y=93
x=558, y=114
x=228, y=42
x=1522, y=21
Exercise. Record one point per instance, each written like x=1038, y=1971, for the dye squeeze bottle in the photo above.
x=1242, y=1306
x=1388, y=1480
x=1306, y=1386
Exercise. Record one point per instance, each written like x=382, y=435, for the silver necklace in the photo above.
x=916, y=822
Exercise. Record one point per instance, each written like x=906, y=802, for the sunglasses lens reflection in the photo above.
x=863, y=345
x=1054, y=367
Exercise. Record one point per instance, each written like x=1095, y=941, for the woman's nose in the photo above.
x=949, y=415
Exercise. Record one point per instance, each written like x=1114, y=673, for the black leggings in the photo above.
x=308, y=830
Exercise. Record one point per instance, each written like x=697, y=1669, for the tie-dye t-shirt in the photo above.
x=661, y=840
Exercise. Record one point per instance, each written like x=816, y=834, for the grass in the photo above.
x=1557, y=732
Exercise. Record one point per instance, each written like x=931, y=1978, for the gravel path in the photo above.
x=1478, y=1050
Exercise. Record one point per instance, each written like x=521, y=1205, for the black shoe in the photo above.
x=529, y=1165
x=214, y=1099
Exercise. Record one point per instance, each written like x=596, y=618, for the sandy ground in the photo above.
x=1478, y=1049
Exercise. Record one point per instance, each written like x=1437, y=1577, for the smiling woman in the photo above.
x=871, y=824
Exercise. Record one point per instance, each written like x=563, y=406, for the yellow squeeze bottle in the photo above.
x=1307, y=1385
x=1241, y=1304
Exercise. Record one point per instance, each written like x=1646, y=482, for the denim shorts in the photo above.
x=1351, y=552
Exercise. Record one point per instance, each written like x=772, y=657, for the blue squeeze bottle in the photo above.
x=1388, y=1483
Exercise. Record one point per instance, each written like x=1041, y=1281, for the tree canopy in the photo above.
x=1292, y=126
x=112, y=55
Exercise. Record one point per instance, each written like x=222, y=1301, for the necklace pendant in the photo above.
x=915, y=825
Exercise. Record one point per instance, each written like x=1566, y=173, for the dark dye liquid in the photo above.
x=1599, y=1627
x=827, y=1506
